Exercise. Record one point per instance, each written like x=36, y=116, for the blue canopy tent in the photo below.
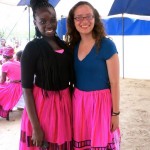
x=27, y=2
x=61, y=27
x=136, y=7
x=132, y=26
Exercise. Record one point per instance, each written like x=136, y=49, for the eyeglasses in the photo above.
x=81, y=18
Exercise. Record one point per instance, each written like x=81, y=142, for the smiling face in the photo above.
x=45, y=21
x=84, y=19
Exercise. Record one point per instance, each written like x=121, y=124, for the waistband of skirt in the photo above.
x=61, y=90
x=94, y=91
x=15, y=81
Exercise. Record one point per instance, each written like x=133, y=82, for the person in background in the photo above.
x=46, y=73
x=16, y=46
x=18, y=55
x=20, y=104
x=96, y=94
x=3, y=45
x=3, y=42
x=10, y=83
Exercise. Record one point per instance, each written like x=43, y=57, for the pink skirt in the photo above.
x=91, y=121
x=55, y=117
x=10, y=94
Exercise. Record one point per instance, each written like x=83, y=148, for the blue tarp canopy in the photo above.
x=132, y=26
x=122, y=25
x=113, y=26
x=128, y=26
x=138, y=7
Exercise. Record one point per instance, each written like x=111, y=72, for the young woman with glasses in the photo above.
x=96, y=95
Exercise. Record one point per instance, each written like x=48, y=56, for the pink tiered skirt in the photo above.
x=10, y=94
x=91, y=121
x=55, y=116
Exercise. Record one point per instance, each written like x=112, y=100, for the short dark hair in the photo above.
x=19, y=54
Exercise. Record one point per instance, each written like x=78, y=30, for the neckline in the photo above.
x=86, y=55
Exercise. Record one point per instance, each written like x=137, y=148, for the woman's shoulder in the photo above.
x=33, y=44
x=29, y=45
x=108, y=47
x=34, y=41
x=16, y=62
x=31, y=49
x=107, y=40
x=7, y=63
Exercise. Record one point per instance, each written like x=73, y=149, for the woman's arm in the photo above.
x=28, y=66
x=3, y=77
x=37, y=135
x=114, y=76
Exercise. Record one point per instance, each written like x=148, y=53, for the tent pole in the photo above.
x=29, y=21
x=16, y=23
x=123, y=44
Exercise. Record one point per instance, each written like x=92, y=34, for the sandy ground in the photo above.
x=134, y=118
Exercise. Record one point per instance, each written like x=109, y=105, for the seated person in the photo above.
x=10, y=82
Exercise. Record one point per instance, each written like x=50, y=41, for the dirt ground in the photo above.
x=134, y=118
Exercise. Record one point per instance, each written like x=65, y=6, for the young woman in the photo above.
x=96, y=95
x=2, y=46
x=10, y=83
x=18, y=55
x=46, y=68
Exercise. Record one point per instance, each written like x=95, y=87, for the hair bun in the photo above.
x=33, y=3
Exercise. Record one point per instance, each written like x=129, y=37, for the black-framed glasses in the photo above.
x=81, y=18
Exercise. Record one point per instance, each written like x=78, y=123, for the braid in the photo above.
x=49, y=70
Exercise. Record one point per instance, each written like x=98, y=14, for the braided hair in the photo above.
x=36, y=4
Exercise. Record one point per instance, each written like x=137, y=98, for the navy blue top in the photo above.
x=91, y=73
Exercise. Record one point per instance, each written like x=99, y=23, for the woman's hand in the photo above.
x=114, y=123
x=37, y=134
x=37, y=137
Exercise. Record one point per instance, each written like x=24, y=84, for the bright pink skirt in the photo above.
x=91, y=121
x=10, y=94
x=55, y=116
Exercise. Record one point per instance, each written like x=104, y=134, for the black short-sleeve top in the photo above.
x=42, y=66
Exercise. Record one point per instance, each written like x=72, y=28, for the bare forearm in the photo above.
x=30, y=107
x=3, y=78
x=115, y=91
